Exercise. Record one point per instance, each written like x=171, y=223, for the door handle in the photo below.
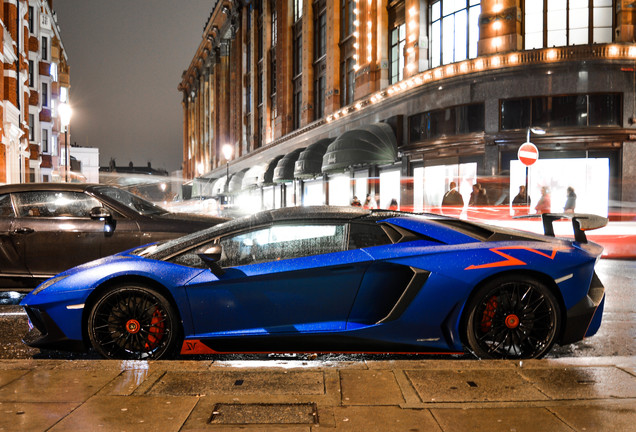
x=23, y=231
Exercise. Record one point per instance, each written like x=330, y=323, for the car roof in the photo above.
x=265, y=217
x=30, y=187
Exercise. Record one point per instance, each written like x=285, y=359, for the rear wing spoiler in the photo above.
x=581, y=222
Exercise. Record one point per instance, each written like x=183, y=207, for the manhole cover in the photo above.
x=304, y=413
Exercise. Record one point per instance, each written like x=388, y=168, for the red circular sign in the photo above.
x=528, y=153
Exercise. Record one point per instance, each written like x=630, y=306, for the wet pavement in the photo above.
x=583, y=394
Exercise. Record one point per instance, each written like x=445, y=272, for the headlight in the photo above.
x=48, y=283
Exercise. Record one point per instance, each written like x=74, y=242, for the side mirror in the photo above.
x=210, y=256
x=100, y=213
x=103, y=214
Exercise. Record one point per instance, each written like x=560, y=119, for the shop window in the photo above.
x=45, y=48
x=397, y=41
x=347, y=52
x=45, y=140
x=272, y=61
x=340, y=190
x=297, y=52
x=562, y=111
x=312, y=193
x=432, y=182
x=450, y=121
x=550, y=23
x=45, y=95
x=31, y=73
x=389, y=189
x=320, y=57
x=454, y=30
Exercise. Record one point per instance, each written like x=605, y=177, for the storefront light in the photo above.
x=463, y=68
x=450, y=70
x=632, y=51
x=479, y=64
x=551, y=54
x=513, y=58
x=496, y=25
x=495, y=61
x=613, y=51
x=498, y=7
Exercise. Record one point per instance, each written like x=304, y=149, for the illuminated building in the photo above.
x=434, y=91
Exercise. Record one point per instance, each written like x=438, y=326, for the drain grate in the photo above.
x=237, y=414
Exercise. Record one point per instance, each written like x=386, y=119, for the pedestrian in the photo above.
x=478, y=197
x=521, y=198
x=369, y=202
x=570, y=202
x=393, y=205
x=545, y=203
x=355, y=202
x=452, y=198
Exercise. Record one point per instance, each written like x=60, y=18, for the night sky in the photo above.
x=126, y=59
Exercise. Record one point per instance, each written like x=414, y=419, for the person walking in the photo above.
x=545, y=202
x=570, y=202
x=452, y=198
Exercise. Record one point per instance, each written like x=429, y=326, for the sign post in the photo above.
x=527, y=154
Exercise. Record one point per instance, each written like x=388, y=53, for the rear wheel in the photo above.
x=512, y=318
x=133, y=322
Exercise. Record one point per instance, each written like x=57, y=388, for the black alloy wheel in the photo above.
x=512, y=318
x=133, y=322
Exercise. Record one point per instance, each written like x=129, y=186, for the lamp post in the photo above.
x=227, y=150
x=66, y=112
x=537, y=131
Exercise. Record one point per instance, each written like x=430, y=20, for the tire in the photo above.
x=133, y=322
x=513, y=317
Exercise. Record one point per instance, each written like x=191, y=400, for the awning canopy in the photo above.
x=267, y=176
x=373, y=144
x=284, y=171
x=309, y=161
x=219, y=186
x=250, y=179
x=236, y=182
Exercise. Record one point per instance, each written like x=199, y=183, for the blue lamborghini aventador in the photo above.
x=327, y=279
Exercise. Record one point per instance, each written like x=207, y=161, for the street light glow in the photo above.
x=65, y=114
x=227, y=150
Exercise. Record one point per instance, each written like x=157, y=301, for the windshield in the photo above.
x=132, y=201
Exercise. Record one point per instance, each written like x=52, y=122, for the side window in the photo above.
x=55, y=204
x=281, y=242
x=364, y=235
x=6, y=209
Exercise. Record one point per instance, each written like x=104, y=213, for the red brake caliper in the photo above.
x=489, y=314
x=156, y=331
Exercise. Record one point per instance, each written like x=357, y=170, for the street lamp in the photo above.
x=66, y=112
x=228, y=150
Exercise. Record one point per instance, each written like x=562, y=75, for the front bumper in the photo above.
x=44, y=333
x=584, y=318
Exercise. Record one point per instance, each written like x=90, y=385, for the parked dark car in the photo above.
x=46, y=228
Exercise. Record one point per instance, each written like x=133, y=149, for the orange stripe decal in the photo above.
x=196, y=347
x=510, y=260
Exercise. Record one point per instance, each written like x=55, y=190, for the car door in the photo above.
x=290, y=278
x=11, y=263
x=56, y=231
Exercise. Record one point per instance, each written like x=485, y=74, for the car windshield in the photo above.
x=132, y=201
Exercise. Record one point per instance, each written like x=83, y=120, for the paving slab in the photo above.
x=129, y=413
x=370, y=387
x=468, y=385
x=582, y=382
x=240, y=383
x=383, y=419
x=7, y=376
x=609, y=417
x=51, y=385
x=499, y=420
x=32, y=416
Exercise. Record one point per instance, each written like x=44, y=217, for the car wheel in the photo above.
x=133, y=322
x=512, y=318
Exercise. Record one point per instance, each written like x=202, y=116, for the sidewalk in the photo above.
x=585, y=394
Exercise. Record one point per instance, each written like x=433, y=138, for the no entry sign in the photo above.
x=528, y=153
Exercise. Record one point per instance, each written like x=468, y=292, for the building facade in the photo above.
x=324, y=100
x=36, y=81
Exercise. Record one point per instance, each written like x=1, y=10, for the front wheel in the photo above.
x=133, y=322
x=512, y=318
